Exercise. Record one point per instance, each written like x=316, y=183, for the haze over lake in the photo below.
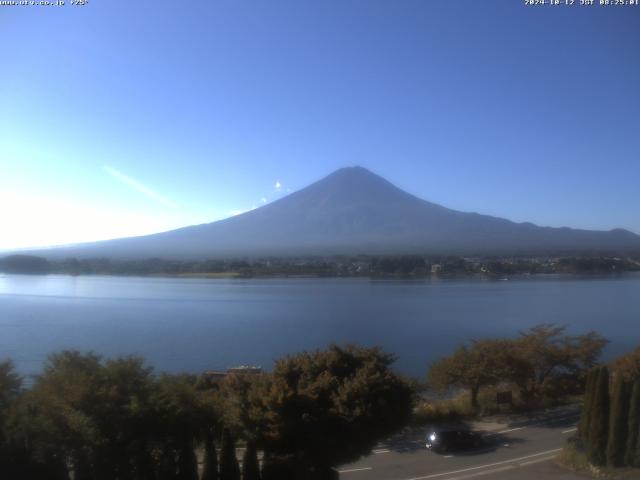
x=198, y=324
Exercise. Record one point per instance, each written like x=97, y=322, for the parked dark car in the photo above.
x=444, y=440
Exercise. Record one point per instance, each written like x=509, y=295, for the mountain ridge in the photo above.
x=354, y=211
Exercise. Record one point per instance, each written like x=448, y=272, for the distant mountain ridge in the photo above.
x=354, y=211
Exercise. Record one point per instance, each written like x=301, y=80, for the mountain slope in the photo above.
x=355, y=211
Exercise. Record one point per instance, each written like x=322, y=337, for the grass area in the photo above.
x=574, y=459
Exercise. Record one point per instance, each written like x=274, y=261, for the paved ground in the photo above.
x=515, y=448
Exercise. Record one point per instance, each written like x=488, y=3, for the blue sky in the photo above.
x=122, y=118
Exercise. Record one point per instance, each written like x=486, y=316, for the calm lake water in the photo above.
x=198, y=324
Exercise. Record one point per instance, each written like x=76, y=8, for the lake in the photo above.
x=198, y=324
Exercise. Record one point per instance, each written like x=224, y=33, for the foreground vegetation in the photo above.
x=542, y=366
x=90, y=418
x=609, y=429
x=93, y=419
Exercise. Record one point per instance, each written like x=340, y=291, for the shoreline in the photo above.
x=280, y=276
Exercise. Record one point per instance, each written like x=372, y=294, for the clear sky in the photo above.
x=128, y=117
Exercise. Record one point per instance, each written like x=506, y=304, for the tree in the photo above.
x=187, y=462
x=587, y=407
x=599, y=427
x=543, y=354
x=229, y=469
x=186, y=414
x=210, y=467
x=628, y=365
x=95, y=414
x=59, y=414
x=618, y=422
x=167, y=465
x=10, y=385
x=250, y=467
x=24, y=264
x=326, y=408
x=124, y=415
x=243, y=405
x=277, y=468
x=632, y=454
x=483, y=363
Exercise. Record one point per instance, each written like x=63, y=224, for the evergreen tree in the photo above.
x=187, y=462
x=585, y=418
x=167, y=465
x=55, y=467
x=618, y=422
x=229, y=469
x=210, y=469
x=632, y=454
x=250, y=468
x=144, y=465
x=82, y=467
x=599, y=421
x=274, y=468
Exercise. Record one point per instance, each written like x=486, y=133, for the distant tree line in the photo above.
x=88, y=418
x=335, y=266
x=541, y=363
x=609, y=428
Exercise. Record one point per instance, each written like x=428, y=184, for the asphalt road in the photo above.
x=514, y=447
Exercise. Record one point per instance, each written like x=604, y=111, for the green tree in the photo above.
x=330, y=407
x=167, y=463
x=187, y=462
x=124, y=415
x=250, y=466
x=10, y=386
x=599, y=427
x=243, y=405
x=229, y=469
x=96, y=415
x=629, y=365
x=59, y=411
x=618, y=422
x=185, y=415
x=632, y=453
x=543, y=354
x=277, y=468
x=210, y=467
x=483, y=363
x=587, y=407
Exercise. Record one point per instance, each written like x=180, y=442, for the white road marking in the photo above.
x=513, y=460
x=448, y=456
x=511, y=430
x=351, y=470
x=537, y=460
x=559, y=419
x=487, y=472
x=381, y=450
x=533, y=424
x=570, y=430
